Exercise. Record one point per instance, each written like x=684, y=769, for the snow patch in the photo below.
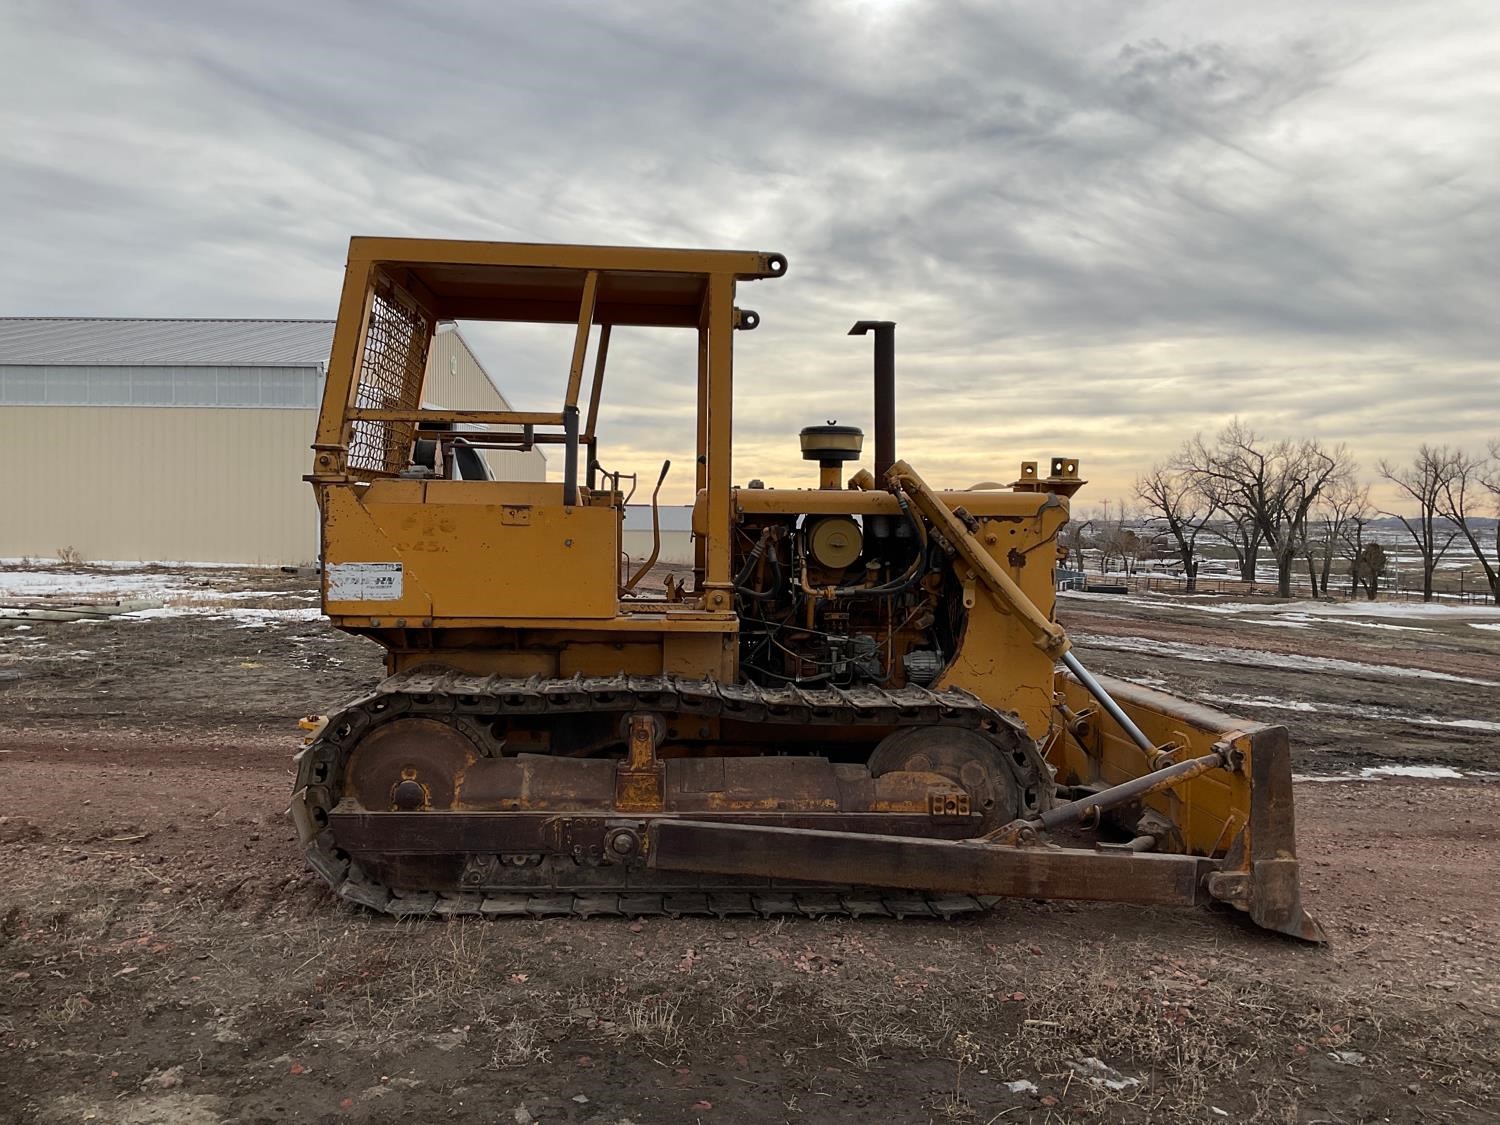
x=1259, y=701
x=115, y=585
x=1384, y=773
x=1461, y=724
x=1385, y=625
x=248, y=618
x=1368, y=712
x=1295, y=610
x=1409, y=771
x=1147, y=681
x=52, y=583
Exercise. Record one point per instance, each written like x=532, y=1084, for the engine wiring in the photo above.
x=766, y=635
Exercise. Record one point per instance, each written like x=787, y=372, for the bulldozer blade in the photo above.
x=1240, y=816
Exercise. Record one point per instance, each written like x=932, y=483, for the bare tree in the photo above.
x=1169, y=494
x=1272, y=486
x=1132, y=547
x=1236, y=527
x=1424, y=480
x=1111, y=537
x=1342, y=503
x=1369, y=565
x=1076, y=538
x=1352, y=546
x=1466, y=486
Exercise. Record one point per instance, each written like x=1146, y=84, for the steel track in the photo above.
x=472, y=703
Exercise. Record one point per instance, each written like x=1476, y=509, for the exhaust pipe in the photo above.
x=885, y=391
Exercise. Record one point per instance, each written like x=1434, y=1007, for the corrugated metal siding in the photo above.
x=189, y=483
x=134, y=342
x=158, y=484
x=456, y=379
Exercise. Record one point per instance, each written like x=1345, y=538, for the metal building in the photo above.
x=676, y=530
x=182, y=440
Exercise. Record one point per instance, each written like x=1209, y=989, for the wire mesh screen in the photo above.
x=390, y=378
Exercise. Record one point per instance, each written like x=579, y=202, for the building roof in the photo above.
x=60, y=341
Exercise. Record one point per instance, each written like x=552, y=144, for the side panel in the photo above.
x=473, y=549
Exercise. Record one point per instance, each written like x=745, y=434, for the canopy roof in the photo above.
x=521, y=281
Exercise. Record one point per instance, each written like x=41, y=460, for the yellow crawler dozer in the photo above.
x=859, y=704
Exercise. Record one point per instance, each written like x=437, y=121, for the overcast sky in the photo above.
x=1100, y=226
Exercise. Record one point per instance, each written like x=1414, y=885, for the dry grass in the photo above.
x=1192, y=1038
x=953, y=1026
x=519, y=1043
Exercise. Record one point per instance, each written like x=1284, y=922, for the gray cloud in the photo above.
x=1101, y=226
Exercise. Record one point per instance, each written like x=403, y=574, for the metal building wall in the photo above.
x=170, y=484
x=182, y=482
x=676, y=522
x=456, y=380
x=676, y=546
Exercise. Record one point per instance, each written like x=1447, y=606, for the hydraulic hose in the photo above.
x=754, y=557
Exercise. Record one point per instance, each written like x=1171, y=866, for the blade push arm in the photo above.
x=909, y=487
x=1047, y=634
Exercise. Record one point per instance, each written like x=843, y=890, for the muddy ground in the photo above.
x=165, y=958
x=1352, y=689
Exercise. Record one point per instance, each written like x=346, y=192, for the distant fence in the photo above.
x=1467, y=597
x=1172, y=584
x=1153, y=582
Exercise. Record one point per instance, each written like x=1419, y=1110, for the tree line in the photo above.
x=1287, y=501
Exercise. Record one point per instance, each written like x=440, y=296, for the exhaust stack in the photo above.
x=885, y=392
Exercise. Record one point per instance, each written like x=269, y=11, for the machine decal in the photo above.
x=364, y=582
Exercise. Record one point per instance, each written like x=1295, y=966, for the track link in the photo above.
x=473, y=702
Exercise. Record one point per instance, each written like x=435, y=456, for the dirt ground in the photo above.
x=166, y=959
x=1352, y=691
